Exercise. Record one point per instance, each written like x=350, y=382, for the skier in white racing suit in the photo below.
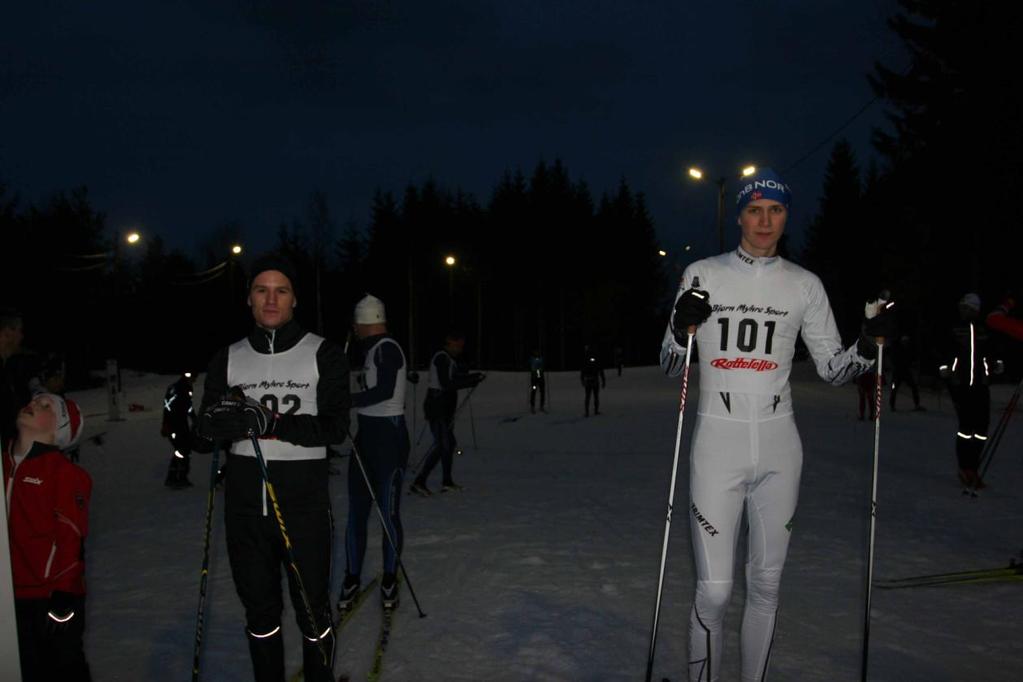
x=748, y=306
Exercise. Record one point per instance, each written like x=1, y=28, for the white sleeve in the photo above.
x=835, y=364
x=673, y=354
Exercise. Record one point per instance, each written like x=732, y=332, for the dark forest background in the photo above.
x=544, y=262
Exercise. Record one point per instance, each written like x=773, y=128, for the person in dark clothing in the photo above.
x=619, y=359
x=592, y=378
x=904, y=361
x=178, y=421
x=383, y=444
x=48, y=500
x=447, y=376
x=866, y=387
x=19, y=379
x=967, y=375
x=298, y=403
x=537, y=382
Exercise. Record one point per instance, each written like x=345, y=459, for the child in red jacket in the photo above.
x=47, y=511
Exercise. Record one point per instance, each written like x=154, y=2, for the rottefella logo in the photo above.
x=744, y=363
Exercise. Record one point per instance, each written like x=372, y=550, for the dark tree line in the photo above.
x=936, y=220
x=541, y=265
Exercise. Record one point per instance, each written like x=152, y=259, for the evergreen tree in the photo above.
x=834, y=247
x=953, y=151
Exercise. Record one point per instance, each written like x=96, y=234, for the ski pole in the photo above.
x=383, y=522
x=200, y=615
x=671, y=499
x=996, y=438
x=292, y=563
x=878, y=390
x=472, y=422
x=414, y=403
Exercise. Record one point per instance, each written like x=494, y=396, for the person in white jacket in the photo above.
x=747, y=307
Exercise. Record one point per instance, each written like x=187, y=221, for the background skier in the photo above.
x=383, y=444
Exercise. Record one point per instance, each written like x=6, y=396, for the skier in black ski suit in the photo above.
x=967, y=374
x=447, y=376
x=592, y=378
x=178, y=421
x=297, y=404
x=537, y=382
x=904, y=359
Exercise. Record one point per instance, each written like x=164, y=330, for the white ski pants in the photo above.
x=746, y=453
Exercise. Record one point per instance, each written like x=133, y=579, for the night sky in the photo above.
x=182, y=116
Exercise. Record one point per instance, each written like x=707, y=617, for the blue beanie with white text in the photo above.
x=764, y=184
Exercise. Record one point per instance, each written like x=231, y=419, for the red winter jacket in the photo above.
x=999, y=320
x=47, y=514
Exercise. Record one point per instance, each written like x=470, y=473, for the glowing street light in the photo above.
x=662, y=253
x=133, y=238
x=236, y=249
x=748, y=171
x=449, y=261
x=696, y=173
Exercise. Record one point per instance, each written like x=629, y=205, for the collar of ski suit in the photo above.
x=36, y=450
x=269, y=341
x=744, y=262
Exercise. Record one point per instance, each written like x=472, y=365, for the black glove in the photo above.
x=691, y=309
x=233, y=419
x=60, y=611
x=883, y=324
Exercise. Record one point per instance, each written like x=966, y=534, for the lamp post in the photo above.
x=450, y=262
x=236, y=250
x=115, y=390
x=697, y=174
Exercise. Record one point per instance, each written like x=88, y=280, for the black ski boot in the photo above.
x=349, y=591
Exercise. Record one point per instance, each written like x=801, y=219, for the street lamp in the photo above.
x=450, y=261
x=697, y=174
x=236, y=250
x=133, y=238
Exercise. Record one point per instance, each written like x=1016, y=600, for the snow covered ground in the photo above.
x=545, y=567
